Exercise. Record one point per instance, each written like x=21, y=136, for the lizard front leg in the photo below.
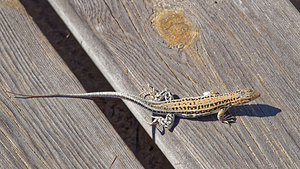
x=225, y=118
x=210, y=93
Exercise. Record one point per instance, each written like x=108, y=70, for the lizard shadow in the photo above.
x=254, y=110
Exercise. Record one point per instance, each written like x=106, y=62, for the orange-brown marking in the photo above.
x=174, y=27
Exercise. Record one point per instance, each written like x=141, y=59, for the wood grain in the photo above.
x=239, y=44
x=48, y=133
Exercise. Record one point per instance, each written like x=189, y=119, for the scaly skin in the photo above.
x=211, y=103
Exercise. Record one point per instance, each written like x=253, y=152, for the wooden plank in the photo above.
x=225, y=46
x=48, y=133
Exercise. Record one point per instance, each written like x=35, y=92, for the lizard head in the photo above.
x=250, y=94
x=245, y=96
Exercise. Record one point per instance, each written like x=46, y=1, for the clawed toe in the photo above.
x=166, y=122
x=156, y=95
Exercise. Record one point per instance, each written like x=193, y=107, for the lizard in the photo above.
x=165, y=107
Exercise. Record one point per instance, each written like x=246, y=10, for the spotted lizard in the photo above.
x=164, y=104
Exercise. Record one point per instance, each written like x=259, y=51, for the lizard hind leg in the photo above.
x=156, y=95
x=166, y=122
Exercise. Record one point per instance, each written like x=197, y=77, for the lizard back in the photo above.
x=205, y=105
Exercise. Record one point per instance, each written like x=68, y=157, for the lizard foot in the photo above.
x=166, y=122
x=156, y=95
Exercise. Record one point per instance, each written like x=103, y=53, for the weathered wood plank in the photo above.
x=226, y=45
x=48, y=133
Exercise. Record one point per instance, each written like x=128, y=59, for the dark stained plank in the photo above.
x=194, y=46
x=48, y=133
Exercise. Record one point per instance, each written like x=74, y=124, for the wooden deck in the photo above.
x=48, y=133
x=189, y=47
